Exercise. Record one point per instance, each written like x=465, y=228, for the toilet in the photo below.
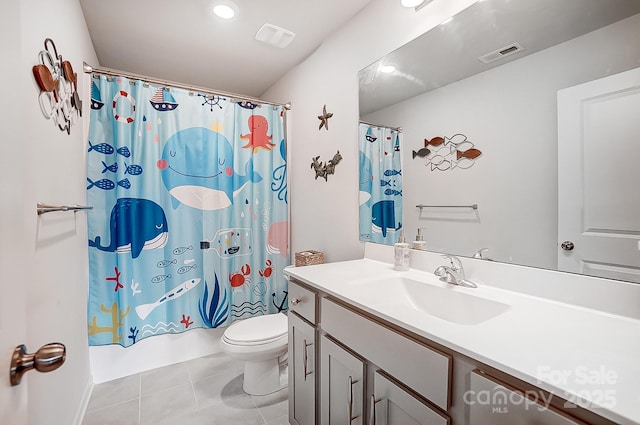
x=261, y=342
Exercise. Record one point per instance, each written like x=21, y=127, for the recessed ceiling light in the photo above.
x=387, y=69
x=224, y=9
x=411, y=3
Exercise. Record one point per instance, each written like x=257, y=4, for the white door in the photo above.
x=599, y=177
x=13, y=400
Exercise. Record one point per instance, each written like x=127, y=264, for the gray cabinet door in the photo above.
x=392, y=405
x=491, y=402
x=341, y=385
x=302, y=371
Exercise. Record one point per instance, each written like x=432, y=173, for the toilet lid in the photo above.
x=257, y=329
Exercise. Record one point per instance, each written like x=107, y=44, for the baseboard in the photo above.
x=84, y=402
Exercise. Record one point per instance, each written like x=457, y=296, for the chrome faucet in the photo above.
x=480, y=254
x=454, y=273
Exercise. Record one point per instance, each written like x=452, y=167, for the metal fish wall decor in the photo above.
x=447, y=153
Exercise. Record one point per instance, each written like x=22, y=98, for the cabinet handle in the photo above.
x=295, y=301
x=350, y=399
x=305, y=358
x=372, y=415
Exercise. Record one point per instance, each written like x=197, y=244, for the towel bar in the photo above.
x=44, y=208
x=473, y=206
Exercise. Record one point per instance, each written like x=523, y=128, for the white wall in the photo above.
x=510, y=114
x=49, y=167
x=324, y=215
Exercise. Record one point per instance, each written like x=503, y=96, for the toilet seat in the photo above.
x=259, y=330
x=261, y=342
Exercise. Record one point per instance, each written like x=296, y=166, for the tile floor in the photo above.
x=204, y=391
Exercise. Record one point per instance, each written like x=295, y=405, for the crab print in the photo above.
x=241, y=277
x=266, y=272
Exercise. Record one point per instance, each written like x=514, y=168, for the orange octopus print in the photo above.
x=257, y=137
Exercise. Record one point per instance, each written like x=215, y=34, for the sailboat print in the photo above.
x=96, y=100
x=163, y=101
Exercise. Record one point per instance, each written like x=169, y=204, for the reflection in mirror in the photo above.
x=380, y=183
x=547, y=92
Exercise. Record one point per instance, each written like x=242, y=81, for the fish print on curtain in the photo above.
x=190, y=223
x=380, y=184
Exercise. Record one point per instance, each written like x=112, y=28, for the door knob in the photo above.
x=49, y=357
x=567, y=245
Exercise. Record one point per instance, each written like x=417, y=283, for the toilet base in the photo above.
x=264, y=377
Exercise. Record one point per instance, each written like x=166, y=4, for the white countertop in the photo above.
x=585, y=356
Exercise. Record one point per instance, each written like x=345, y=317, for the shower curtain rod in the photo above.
x=88, y=69
x=398, y=129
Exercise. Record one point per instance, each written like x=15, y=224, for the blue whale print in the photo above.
x=383, y=217
x=135, y=224
x=197, y=169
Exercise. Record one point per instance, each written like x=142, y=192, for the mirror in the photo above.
x=498, y=110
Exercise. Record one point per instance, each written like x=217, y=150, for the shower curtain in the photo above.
x=380, y=184
x=190, y=221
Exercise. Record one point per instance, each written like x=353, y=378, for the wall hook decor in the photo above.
x=447, y=153
x=323, y=170
x=324, y=118
x=58, y=98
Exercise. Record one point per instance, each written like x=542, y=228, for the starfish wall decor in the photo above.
x=324, y=118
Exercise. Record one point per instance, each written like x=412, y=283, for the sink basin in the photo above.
x=447, y=303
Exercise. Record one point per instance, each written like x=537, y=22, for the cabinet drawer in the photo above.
x=302, y=301
x=417, y=366
x=492, y=402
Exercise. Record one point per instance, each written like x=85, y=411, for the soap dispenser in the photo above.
x=419, y=243
x=401, y=254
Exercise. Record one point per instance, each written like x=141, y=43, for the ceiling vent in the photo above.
x=502, y=52
x=275, y=35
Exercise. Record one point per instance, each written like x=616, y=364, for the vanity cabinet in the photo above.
x=302, y=371
x=419, y=367
x=494, y=402
x=351, y=367
x=390, y=404
x=302, y=301
x=342, y=380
